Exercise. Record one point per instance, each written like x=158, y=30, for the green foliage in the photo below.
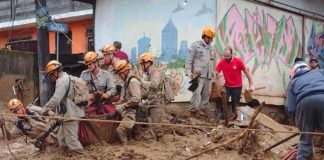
x=177, y=64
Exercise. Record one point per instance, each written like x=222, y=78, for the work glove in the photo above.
x=51, y=113
x=44, y=112
x=192, y=76
x=120, y=108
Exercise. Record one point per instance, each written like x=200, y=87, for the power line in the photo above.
x=50, y=18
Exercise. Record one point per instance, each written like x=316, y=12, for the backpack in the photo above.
x=80, y=90
x=166, y=85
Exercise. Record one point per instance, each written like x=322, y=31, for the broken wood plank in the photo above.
x=270, y=123
x=280, y=142
x=246, y=136
x=225, y=109
x=229, y=141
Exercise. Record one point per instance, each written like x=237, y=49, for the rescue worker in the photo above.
x=108, y=62
x=119, y=53
x=305, y=101
x=232, y=68
x=200, y=62
x=62, y=103
x=32, y=127
x=101, y=79
x=109, y=58
x=313, y=63
x=151, y=92
x=130, y=99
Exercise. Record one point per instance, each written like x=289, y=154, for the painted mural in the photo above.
x=314, y=43
x=162, y=27
x=267, y=44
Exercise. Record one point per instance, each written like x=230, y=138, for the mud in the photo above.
x=167, y=143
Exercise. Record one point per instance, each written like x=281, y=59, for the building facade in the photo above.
x=77, y=15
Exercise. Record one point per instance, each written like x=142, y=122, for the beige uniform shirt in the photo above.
x=201, y=60
x=150, y=86
x=61, y=88
x=103, y=81
x=34, y=127
x=130, y=94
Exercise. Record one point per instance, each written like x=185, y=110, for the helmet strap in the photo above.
x=147, y=68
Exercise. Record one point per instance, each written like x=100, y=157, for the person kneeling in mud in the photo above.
x=129, y=100
x=32, y=127
x=151, y=90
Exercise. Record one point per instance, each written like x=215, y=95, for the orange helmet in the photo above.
x=145, y=57
x=90, y=57
x=15, y=106
x=108, y=49
x=52, y=66
x=122, y=66
x=209, y=32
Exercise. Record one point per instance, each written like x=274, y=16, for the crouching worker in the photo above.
x=305, y=101
x=129, y=100
x=32, y=127
x=151, y=90
x=62, y=103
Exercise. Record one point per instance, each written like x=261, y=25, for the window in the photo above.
x=90, y=39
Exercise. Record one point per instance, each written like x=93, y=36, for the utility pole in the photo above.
x=42, y=50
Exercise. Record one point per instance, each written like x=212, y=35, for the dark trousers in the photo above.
x=309, y=116
x=235, y=94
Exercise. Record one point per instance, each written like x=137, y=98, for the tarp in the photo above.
x=95, y=132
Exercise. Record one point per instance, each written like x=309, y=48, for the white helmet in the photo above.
x=298, y=66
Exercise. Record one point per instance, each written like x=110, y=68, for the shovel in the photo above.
x=249, y=99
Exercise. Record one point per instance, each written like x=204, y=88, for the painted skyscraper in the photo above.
x=133, y=56
x=143, y=45
x=169, y=46
x=183, y=52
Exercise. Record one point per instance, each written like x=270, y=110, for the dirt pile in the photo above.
x=167, y=143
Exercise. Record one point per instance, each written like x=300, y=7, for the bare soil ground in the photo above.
x=173, y=143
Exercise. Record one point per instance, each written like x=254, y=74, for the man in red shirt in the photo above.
x=120, y=54
x=231, y=67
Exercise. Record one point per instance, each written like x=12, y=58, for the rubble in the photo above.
x=175, y=142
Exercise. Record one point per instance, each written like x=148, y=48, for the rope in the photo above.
x=5, y=136
x=162, y=124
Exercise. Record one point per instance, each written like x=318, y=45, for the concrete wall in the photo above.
x=268, y=39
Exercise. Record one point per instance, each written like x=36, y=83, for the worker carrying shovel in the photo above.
x=231, y=67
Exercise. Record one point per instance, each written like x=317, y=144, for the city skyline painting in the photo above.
x=167, y=31
x=162, y=27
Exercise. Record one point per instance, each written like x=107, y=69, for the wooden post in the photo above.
x=246, y=136
x=225, y=109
